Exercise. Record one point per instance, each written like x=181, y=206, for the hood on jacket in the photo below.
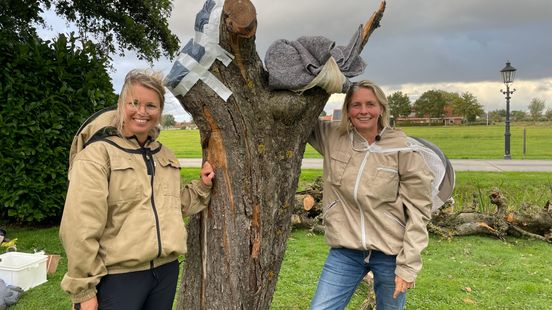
x=93, y=125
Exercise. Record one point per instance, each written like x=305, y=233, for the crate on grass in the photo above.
x=24, y=270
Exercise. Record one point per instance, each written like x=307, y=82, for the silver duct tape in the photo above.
x=199, y=72
x=187, y=71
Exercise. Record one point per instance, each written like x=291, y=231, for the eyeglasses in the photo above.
x=150, y=107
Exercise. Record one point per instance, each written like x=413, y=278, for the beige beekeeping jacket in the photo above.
x=123, y=211
x=376, y=197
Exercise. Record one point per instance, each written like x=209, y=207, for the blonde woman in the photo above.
x=377, y=198
x=122, y=226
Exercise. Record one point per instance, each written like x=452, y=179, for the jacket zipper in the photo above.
x=150, y=166
x=147, y=155
x=355, y=195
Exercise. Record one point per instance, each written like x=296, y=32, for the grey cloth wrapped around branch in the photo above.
x=314, y=61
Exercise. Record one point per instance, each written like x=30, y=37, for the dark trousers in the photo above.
x=151, y=289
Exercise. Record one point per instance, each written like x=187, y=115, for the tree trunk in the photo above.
x=255, y=141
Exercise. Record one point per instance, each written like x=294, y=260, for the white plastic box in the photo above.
x=23, y=269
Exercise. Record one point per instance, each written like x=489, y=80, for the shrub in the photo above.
x=47, y=89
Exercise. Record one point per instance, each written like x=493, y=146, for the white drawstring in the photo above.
x=367, y=259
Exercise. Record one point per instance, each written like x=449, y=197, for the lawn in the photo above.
x=457, y=142
x=465, y=273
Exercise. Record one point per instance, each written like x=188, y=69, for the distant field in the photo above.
x=457, y=142
x=487, y=142
x=185, y=143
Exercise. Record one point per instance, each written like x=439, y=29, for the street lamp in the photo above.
x=508, y=75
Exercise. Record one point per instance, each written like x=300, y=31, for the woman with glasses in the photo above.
x=122, y=226
x=377, y=203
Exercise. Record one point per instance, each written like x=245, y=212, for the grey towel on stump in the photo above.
x=294, y=64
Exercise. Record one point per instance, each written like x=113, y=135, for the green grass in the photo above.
x=184, y=143
x=515, y=274
x=501, y=275
x=457, y=142
x=48, y=295
x=522, y=189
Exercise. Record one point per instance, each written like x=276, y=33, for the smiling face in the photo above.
x=142, y=111
x=364, y=110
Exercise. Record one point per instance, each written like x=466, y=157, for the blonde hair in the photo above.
x=148, y=78
x=383, y=120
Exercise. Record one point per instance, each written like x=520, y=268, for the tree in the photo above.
x=494, y=117
x=548, y=114
x=468, y=107
x=255, y=140
x=516, y=116
x=535, y=108
x=500, y=113
x=138, y=25
x=167, y=120
x=19, y=16
x=399, y=104
x=430, y=104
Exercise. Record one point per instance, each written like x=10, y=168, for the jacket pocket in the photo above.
x=338, y=163
x=329, y=206
x=124, y=184
x=333, y=222
x=395, y=219
x=385, y=184
x=169, y=174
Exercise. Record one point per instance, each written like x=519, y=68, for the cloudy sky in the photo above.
x=421, y=45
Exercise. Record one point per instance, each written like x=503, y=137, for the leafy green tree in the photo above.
x=451, y=98
x=431, y=104
x=167, y=120
x=548, y=114
x=138, y=25
x=500, y=112
x=517, y=116
x=497, y=115
x=399, y=104
x=468, y=107
x=18, y=17
x=536, y=107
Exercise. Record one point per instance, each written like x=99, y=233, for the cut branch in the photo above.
x=373, y=23
x=536, y=225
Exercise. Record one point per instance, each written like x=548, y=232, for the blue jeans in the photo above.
x=343, y=271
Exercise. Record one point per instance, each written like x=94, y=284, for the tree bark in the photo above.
x=256, y=142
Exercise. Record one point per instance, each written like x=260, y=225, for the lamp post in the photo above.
x=508, y=75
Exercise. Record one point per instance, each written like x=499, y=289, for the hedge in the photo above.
x=47, y=89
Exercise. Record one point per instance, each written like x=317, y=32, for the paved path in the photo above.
x=458, y=164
